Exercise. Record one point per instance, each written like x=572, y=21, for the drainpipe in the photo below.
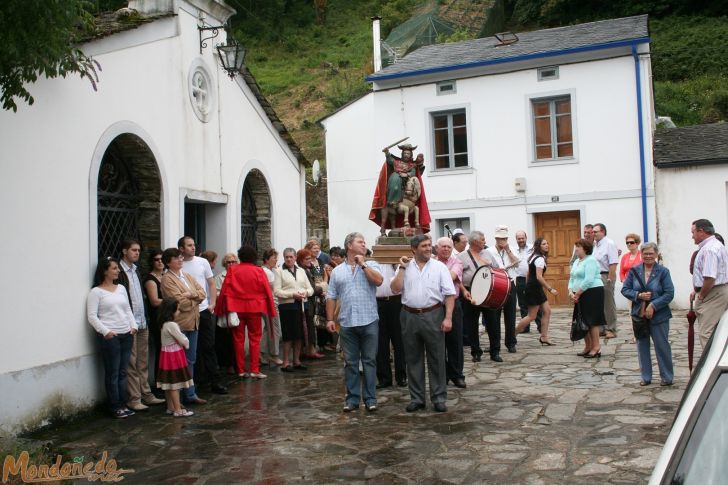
x=640, y=127
x=377, y=37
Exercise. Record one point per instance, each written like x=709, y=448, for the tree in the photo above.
x=41, y=37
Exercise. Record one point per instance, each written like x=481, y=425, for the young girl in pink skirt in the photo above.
x=173, y=373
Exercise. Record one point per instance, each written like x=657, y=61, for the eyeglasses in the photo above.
x=631, y=242
x=229, y=262
x=157, y=260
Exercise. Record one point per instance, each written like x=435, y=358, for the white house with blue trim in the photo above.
x=543, y=131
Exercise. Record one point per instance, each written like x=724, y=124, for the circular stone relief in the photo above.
x=201, y=89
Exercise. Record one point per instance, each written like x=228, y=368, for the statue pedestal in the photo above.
x=389, y=249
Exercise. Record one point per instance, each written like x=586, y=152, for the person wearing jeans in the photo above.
x=188, y=293
x=355, y=283
x=109, y=313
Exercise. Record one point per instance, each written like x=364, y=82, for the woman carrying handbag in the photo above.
x=586, y=290
x=650, y=288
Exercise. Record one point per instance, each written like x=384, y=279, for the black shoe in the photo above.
x=476, y=358
x=349, y=407
x=384, y=385
x=371, y=407
x=299, y=367
x=459, y=382
x=496, y=358
x=439, y=407
x=218, y=389
x=414, y=406
x=511, y=349
x=402, y=383
x=287, y=368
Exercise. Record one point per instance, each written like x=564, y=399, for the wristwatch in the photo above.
x=364, y=266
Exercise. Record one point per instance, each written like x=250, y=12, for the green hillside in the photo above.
x=309, y=65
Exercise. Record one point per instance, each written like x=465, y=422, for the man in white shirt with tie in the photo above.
x=428, y=297
x=504, y=257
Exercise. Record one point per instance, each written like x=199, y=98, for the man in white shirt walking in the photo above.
x=428, y=296
x=206, y=362
x=605, y=252
x=710, y=275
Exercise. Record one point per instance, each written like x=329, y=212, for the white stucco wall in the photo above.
x=50, y=161
x=684, y=195
x=602, y=182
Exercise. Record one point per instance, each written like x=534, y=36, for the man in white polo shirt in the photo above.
x=199, y=269
x=605, y=252
x=428, y=297
x=710, y=275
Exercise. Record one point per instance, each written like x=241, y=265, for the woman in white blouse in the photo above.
x=109, y=313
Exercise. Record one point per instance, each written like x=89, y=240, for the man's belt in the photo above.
x=604, y=272
x=421, y=310
x=387, y=298
x=520, y=278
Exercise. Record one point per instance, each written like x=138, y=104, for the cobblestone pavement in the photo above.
x=542, y=416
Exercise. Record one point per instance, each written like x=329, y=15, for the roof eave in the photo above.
x=504, y=60
x=692, y=163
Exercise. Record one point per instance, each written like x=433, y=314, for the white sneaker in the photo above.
x=244, y=375
x=258, y=375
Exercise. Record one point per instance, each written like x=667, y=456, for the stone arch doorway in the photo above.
x=128, y=197
x=255, y=212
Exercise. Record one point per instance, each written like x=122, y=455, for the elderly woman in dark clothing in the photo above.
x=319, y=282
x=153, y=290
x=650, y=288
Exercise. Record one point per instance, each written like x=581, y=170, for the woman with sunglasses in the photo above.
x=153, y=289
x=632, y=257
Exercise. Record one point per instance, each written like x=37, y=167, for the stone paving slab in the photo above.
x=543, y=416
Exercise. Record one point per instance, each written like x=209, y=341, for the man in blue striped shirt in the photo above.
x=354, y=282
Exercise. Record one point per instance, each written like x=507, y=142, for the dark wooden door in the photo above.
x=561, y=229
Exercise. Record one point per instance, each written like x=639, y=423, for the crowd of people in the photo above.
x=417, y=314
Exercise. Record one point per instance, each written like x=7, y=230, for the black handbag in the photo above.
x=579, y=328
x=640, y=324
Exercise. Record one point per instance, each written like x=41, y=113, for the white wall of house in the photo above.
x=602, y=181
x=50, y=162
x=683, y=195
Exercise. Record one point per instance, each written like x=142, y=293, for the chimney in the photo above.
x=152, y=7
x=377, y=37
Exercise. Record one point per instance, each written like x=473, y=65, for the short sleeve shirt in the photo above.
x=357, y=295
x=199, y=269
x=426, y=287
x=605, y=252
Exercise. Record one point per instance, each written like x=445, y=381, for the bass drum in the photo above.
x=490, y=287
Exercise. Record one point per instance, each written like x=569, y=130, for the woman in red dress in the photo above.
x=246, y=292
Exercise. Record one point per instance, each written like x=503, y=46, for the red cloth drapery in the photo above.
x=380, y=201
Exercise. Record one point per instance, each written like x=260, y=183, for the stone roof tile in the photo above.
x=691, y=145
x=540, y=41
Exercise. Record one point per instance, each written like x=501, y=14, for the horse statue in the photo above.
x=409, y=203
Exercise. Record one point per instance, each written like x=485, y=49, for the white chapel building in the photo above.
x=169, y=145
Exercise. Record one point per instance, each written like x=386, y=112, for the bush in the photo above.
x=700, y=100
x=685, y=46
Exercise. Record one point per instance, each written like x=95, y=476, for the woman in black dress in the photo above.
x=535, y=286
x=153, y=289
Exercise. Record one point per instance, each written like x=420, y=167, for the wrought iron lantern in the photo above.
x=232, y=56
